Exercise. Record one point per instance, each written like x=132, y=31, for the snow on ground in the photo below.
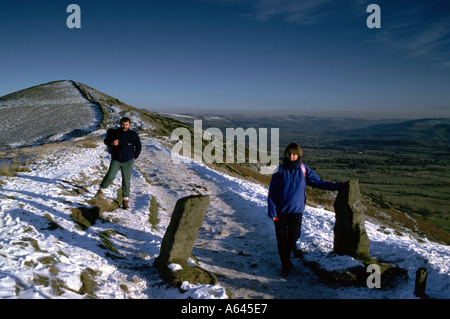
x=43, y=254
x=38, y=261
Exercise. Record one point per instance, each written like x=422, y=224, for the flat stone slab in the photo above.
x=340, y=270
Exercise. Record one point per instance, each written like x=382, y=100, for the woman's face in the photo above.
x=291, y=156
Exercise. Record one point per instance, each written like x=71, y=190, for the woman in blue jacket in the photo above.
x=287, y=198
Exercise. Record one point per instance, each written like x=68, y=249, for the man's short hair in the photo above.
x=125, y=119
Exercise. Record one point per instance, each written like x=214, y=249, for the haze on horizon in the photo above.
x=355, y=114
x=315, y=58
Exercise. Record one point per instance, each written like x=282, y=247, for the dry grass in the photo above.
x=10, y=168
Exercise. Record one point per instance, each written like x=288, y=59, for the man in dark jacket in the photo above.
x=286, y=201
x=125, y=146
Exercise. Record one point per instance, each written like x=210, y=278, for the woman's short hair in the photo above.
x=294, y=149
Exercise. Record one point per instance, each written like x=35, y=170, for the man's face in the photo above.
x=125, y=126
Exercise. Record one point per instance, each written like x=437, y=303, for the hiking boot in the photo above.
x=125, y=204
x=285, y=272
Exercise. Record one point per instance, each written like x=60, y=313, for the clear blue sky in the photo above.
x=310, y=57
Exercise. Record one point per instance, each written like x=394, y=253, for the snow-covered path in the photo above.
x=237, y=240
x=43, y=254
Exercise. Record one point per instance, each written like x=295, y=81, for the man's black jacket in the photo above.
x=129, y=144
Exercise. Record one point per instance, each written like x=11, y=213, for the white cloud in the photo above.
x=303, y=12
x=429, y=40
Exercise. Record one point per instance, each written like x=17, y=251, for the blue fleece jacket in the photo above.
x=287, y=189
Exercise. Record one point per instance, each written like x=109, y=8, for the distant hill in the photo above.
x=429, y=132
x=61, y=110
x=310, y=131
x=49, y=112
x=305, y=130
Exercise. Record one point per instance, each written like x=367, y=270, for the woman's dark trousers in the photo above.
x=287, y=229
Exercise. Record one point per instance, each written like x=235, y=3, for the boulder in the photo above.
x=350, y=237
x=351, y=241
x=178, y=242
